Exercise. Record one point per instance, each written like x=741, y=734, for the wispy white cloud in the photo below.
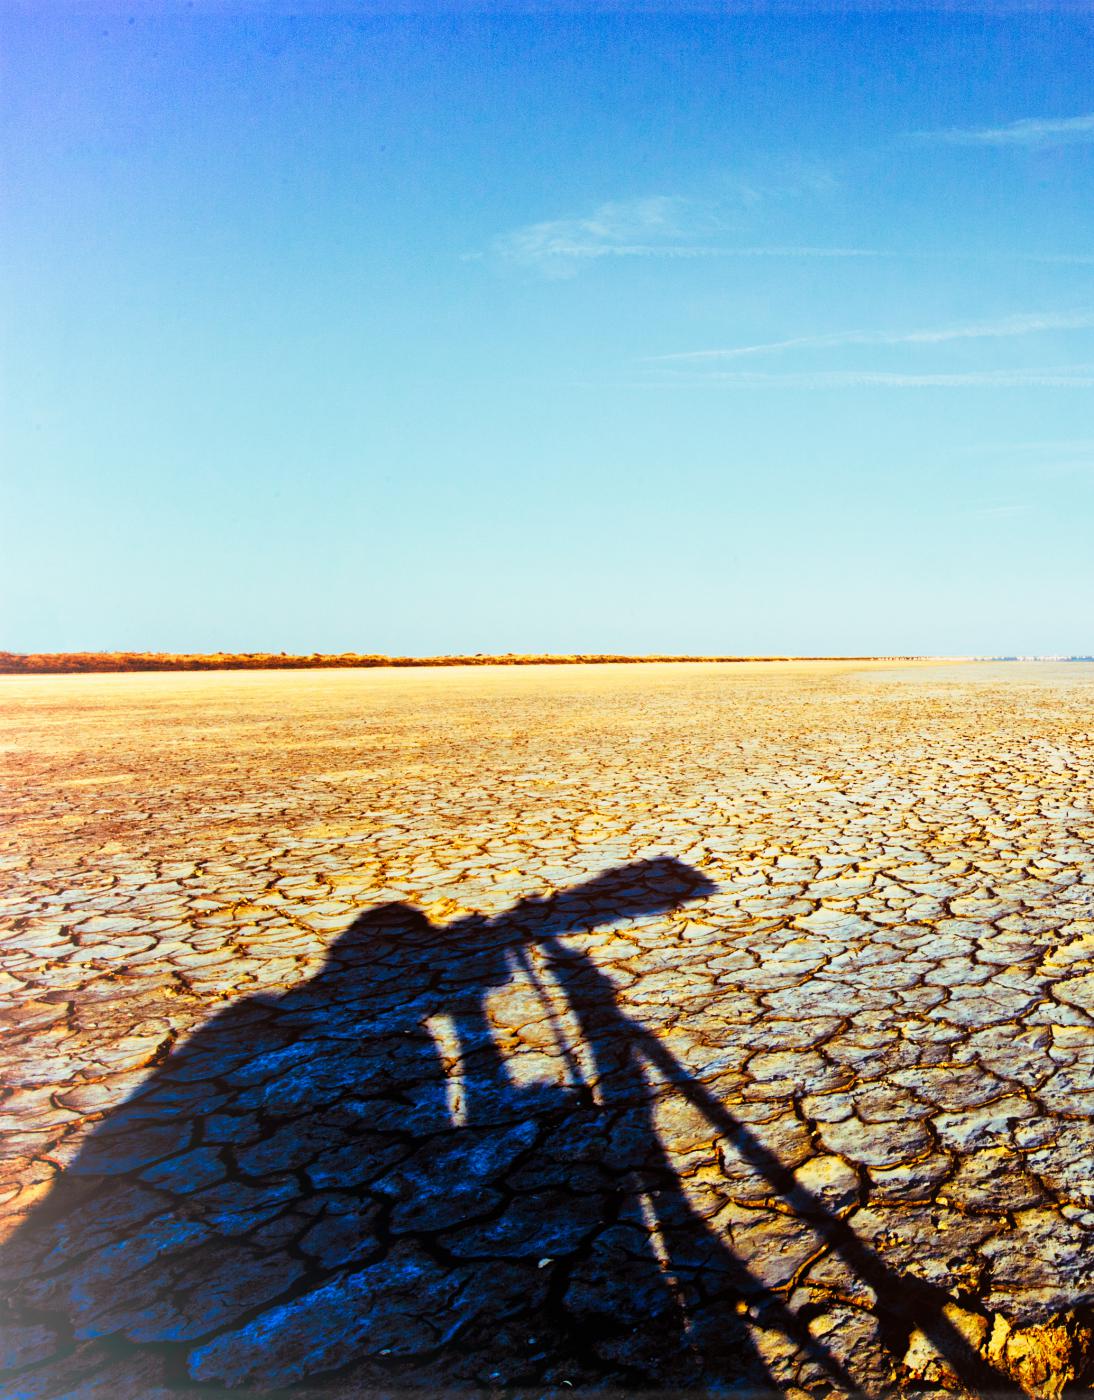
x=1029, y=132
x=656, y=225
x=659, y=226
x=1057, y=377
x=1024, y=324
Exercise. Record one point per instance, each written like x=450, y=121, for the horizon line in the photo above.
x=133, y=662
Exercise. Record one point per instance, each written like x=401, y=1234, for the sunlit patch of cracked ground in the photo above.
x=638, y=1028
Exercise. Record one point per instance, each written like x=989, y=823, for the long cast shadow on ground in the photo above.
x=310, y=1191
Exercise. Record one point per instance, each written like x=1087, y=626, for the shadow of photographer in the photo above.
x=351, y=1179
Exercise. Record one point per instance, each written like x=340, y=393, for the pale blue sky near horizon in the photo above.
x=466, y=331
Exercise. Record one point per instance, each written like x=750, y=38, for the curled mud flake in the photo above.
x=1043, y=1359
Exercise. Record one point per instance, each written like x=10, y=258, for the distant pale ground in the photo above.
x=799, y=1098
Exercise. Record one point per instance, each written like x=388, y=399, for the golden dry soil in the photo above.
x=640, y=1028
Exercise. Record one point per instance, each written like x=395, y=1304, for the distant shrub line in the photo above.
x=61, y=663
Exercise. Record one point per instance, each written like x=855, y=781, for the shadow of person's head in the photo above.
x=388, y=933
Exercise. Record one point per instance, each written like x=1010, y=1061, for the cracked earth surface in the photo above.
x=639, y=1028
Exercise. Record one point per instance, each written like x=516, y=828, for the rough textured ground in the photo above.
x=658, y=1028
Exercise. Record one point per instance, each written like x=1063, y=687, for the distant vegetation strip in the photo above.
x=62, y=663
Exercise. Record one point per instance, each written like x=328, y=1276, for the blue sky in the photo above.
x=474, y=331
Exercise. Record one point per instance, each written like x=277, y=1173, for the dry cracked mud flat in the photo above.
x=684, y=1028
